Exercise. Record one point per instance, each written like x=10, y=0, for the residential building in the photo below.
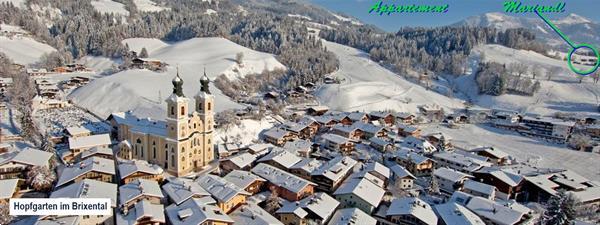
x=495, y=156
x=306, y=167
x=142, y=213
x=179, y=190
x=509, y=184
x=16, y=163
x=419, y=145
x=332, y=173
x=387, y=118
x=196, y=212
x=287, y=185
x=252, y=214
x=548, y=128
x=79, y=144
x=492, y=212
x=88, y=188
x=9, y=188
x=347, y=131
x=381, y=145
x=94, y=168
x=78, y=131
x=102, y=152
x=359, y=193
x=479, y=189
x=337, y=143
x=245, y=180
x=243, y=161
x=411, y=211
x=280, y=158
x=461, y=161
x=300, y=147
x=406, y=130
x=314, y=209
x=417, y=164
x=402, y=175
x=370, y=130
x=130, y=170
x=228, y=195
x=359, y=117
x=449, y=180
x=452, y=213
x=137, y=191
x=350, y=216
x=278, y=136
x=405, y=118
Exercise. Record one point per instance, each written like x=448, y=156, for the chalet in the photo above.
x=95, y=168
x=301, y=89
x=225, y=150
x=480, y=189
x=78, y=144
x=495, y=156
x=146, y=63
x=359, y=117
x=314, y=209
x=346, y=131
x=461, y=161
x=196, y=212
x=243, y=161
x=228, y=195
x=79, y=81
x=405, y=131
x=402, y=175
x=299, y=130
x=449, y=180
x=452, y=213
x=332, y=173
x=457, y=118
x=381, y=144
x=39, y=103
x=371, y=130
x=278, y=136
x=405, y=118
x=36, y=72
x=138, y=169
x=326, y=121
x=376, y=169
x=137, y=191
x=359, y=193
x=306, y=167
x=593, y=130
x=492, y=212
x=17, y=163
x=387, y=118
x=411, y=210
x=419, y=145
x=509, y=184
x=548, y=128
x=143, y=212
x=260, y=149
x=317, y=110
x=417, y=164
x=280, y=158
x=300, y=147
x=541, y=185
x=78, y=131
x=350, y=216
x=101, y=152
x=337, y=143
x=245, y=180
x=287, y=185
x=179, y=190
x=252, y=214
x=9, y=188
x=432, y=112
x=439, y=140
x=342, y=118
x=589, y=197
x=90, y=188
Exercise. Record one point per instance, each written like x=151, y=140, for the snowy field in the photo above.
x=144, y=91
x=245, y=133
x=23, y=50
x=370, y=87
x=562, y=93
x=148, y=6
x=98, y=63
x=16, y=3
x=108, y=6
x=54, y=121
x=523, y=148
x=9, y=123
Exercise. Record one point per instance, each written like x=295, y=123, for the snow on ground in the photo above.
x=16, y=3
x=97, y=63
x=563, y=93
x=370, y=87
x=144, y=91
x=299, y=16
x=346, y=19
x=523, y=148
x=245, y=133
x=210, y=12
x=54, y=121
x=148, y=6
x=12, y=29
x=23, y=50
x=151, y=44
x=108, y=6
x=9, y=123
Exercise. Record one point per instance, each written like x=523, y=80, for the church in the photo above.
x=181, y=144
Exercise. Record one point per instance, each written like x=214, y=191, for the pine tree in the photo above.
x=434, y=187
x=144, y=53
x=41, y=178
x=5, y=217
x=561, y=209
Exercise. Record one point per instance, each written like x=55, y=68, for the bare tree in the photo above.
x=144, y=53
x=272, y=202
x=41, y=178
x=552, y=72
x=519, y=68
x=580, y=141
x=239, y=58
x=5, y=217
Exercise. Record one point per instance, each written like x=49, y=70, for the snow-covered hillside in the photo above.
x=367, y=86
x=108, y=6
x=16, y=3
x=151, y=44
x=143, y=91
x=23, y=50
x=148, y=6
x=563, y=93
x=98, y=63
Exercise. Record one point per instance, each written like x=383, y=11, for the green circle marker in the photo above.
x=583, y=72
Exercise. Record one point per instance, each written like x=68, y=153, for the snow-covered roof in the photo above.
x=319, y=204
x=141, y=125
x=194, y=212
x=242, y=178
x=344, y=128
x=368, y=128
x=493, y=211
x=282, y=157
x=550, y=120
x=142, y=210
x=256, y=148
x=379, y=141
x=401, y=172
x=468, y=162
x=8, y=188
x=415, y=207
x=380, y=114
x=450, y=174
x=492, y=151
x=541, y=181
x=299, y=145
x=479, y=187
x=413, y=156
x=101, y=150
x=78, y=130
x=88, y=188
x=219, y=188
x=276, y=133
x=407, y=128
x=505, y=176
x=351, y=216
x=362, y=188
x=589, y=194
x=130, y=167
x=28, y=156
x=294, y=127
x=336, y=168
x=281, y=178
x=356, y=116
x=93, y=164
x=404, y=115
x=180, y=190
x=137, y=188
x=375, y=167
x=308, y=165
x=335, y=138
x=242, y=160
x=253, y=214
x=452, y=213
x=89, y=141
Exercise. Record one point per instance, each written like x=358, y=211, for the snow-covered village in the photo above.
x=269, y=113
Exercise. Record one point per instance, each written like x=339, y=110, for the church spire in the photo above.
x=178, y=85
x=204, y=81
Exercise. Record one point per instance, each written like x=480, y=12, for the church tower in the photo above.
x=177, y=128
x=205, y=109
